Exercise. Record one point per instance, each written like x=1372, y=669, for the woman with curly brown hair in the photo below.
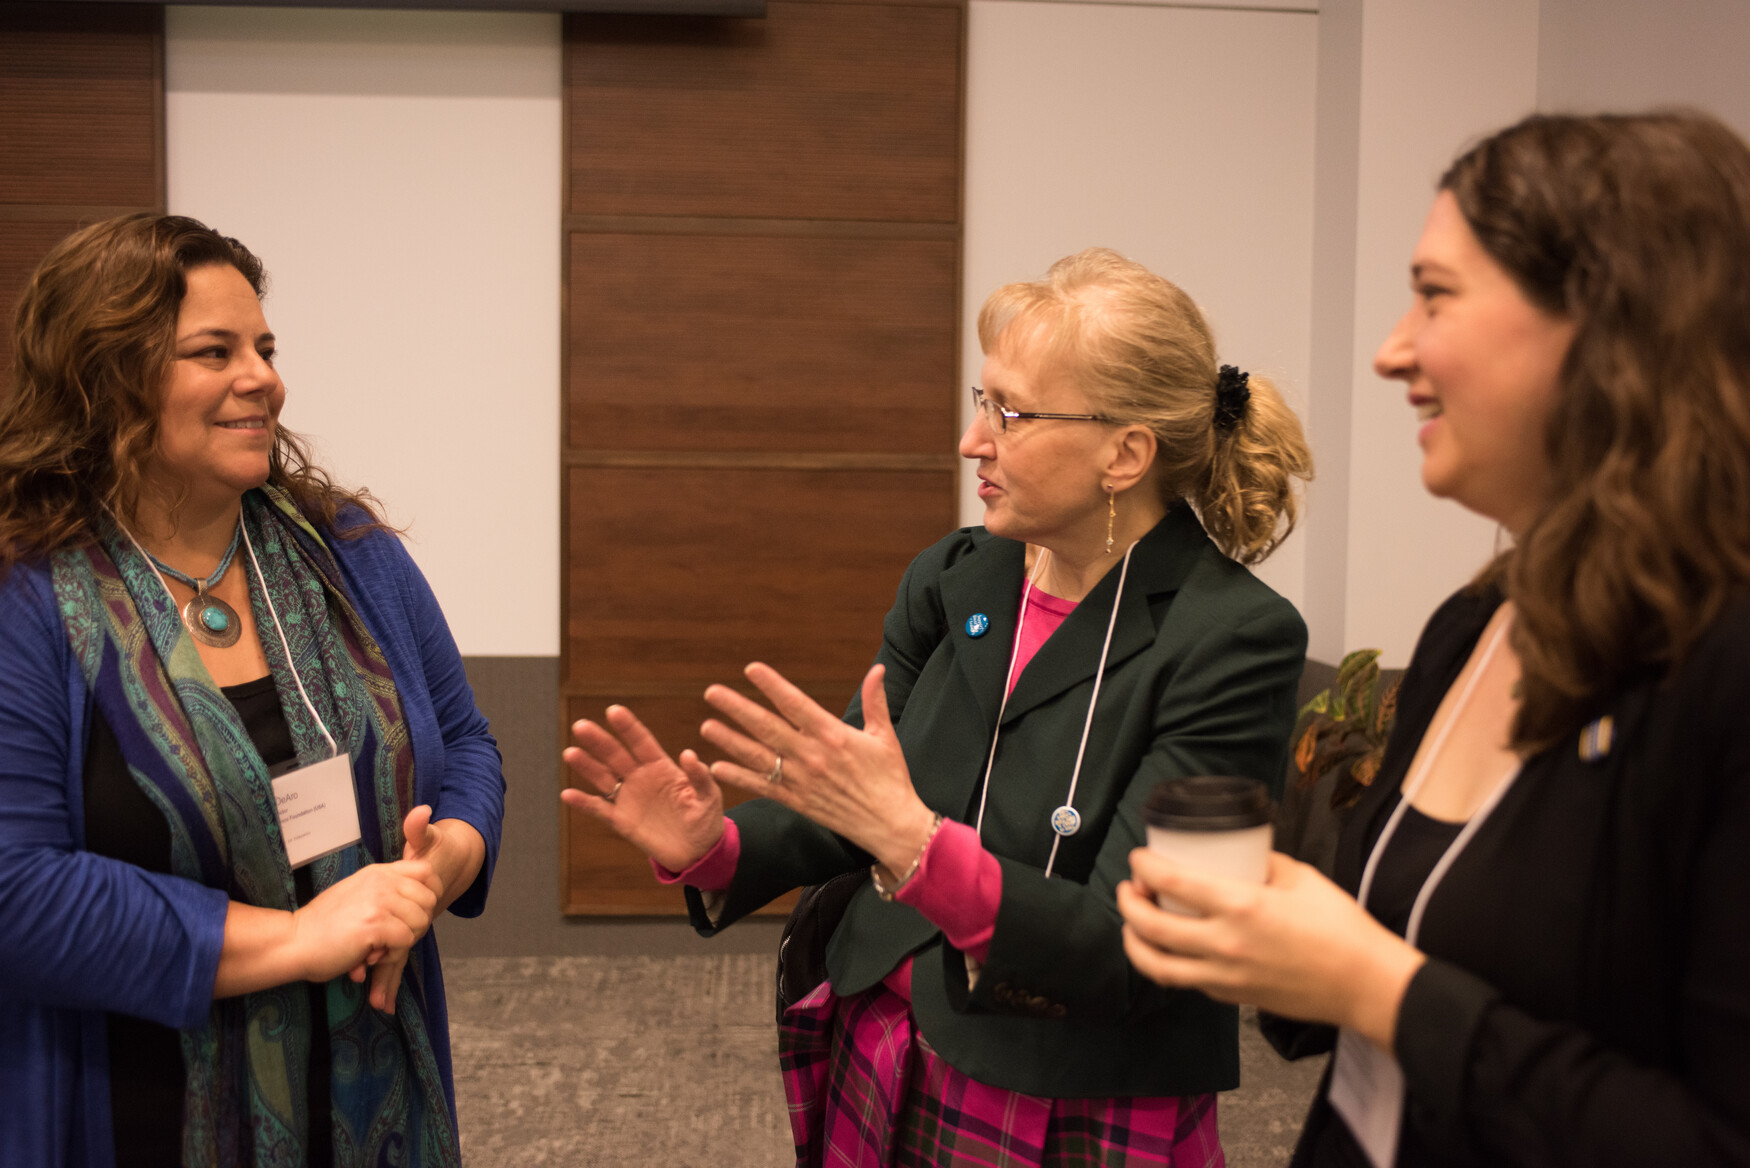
x=1539, y=952
x=240, y=767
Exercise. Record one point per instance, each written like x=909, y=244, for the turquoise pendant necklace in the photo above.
x=208, y=619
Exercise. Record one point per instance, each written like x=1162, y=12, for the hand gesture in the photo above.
x=672, y=813
x=854, y=782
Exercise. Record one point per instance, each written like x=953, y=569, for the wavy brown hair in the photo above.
x=1637, y=229
x=1142, y=351
x=93, y=341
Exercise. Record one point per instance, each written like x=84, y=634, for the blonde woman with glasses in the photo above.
x=1037, y=676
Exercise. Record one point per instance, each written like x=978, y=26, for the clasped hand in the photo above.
x=848, y=780
x=368, y=923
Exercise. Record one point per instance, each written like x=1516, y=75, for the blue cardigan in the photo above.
x=82, y=934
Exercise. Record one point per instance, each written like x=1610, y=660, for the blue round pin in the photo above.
x=977, y=625
x=1066, y=820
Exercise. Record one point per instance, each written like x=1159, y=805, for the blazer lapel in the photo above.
x=1071, y=656
x=988, y=585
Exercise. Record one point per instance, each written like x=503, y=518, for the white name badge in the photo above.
x=319, y=813
x=1367, y=1089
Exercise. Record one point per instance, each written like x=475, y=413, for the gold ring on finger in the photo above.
x=776, y=774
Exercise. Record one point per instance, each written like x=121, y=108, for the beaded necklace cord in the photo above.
x=208, y=619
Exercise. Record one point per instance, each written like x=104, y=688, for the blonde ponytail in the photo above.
x=1248, y=502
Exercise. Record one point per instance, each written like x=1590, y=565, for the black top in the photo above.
x=1586, y=1000
x=146, y=1078
x=1409, y=859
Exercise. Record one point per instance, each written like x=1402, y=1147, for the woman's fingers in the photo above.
x=424, y=885
x=600, y=751
x=583, y=800
x=589, y=772
x=1157, y=926
x=802, y=711
x=1195, y=890
x=876, y=719
x=635, y=737
x=386, y=980
x=1159, y=966
x=764, y=729
x=698, y=774
x=414, y=831
x=754, y=755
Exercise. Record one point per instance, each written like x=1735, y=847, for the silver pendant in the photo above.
x=211, y=621
x=1066, y=820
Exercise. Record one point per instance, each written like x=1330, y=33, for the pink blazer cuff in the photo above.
x=715, y=870
x=958, y=886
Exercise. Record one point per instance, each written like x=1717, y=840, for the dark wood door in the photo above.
x=762, y=352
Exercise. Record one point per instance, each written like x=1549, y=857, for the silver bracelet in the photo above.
x=886, y=893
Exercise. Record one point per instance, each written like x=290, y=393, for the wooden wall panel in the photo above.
x=819, y=111
x=795, y=568
x=81, y=101
x=762, y=360
x=81, y=129
x=770, y=343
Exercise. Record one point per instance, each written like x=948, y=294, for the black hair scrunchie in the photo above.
x=1232, y=393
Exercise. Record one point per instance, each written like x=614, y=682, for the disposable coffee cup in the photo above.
x=1214, y=823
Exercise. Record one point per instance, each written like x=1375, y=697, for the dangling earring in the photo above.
x=1111, y=516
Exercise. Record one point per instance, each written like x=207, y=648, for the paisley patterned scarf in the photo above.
x=245, y=1100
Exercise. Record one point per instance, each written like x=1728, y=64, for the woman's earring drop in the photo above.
x=1111, y=516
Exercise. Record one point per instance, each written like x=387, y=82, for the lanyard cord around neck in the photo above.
x=1087, y=725
x=249, y=545
x=1450, y=856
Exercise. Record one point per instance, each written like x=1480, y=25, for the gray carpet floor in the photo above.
x=635, y=1061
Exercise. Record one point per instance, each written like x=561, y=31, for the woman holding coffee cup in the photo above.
x=1538, y=952
x=1037, y=677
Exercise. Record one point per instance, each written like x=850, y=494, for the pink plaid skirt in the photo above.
x=866, y=1091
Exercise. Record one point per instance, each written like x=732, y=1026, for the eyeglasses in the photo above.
x=998, y=417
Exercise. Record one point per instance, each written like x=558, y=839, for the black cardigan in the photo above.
x=1587, y=995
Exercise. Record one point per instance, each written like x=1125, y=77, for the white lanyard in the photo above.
x=1367, y=1085
x=1411, y=788
x=333, y=748
x=1065, y=820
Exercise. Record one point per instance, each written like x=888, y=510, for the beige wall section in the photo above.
x=399, y=174
x=1633, y=54
x=1182, y=137
x=1432, y=76
x=1404, y=85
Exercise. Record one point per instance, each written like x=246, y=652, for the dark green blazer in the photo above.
x=1200, y=679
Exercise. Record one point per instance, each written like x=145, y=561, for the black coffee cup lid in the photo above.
x=1208, y=803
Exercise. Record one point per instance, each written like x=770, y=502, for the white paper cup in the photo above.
x=1213, y=823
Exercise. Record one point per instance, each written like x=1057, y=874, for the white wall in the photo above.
x=1181, y=137
x=398, y=172
x=1404, y=86
x=1633, y=54
x=1432, y=77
